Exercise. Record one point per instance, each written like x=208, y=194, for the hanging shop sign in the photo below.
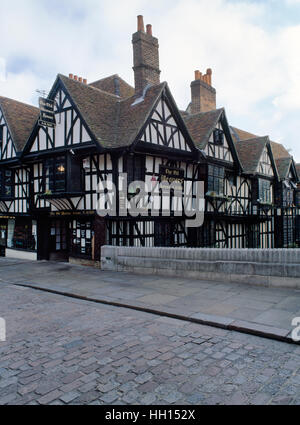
x=47, y=115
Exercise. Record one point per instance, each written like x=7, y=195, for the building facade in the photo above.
x=50, y=172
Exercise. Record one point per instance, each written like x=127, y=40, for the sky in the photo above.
x=252, y=47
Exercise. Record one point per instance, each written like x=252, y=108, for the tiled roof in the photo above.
x=97, y=107
x=283, y=166
x=279, y=150
x=20, y=119
x=238, y=134
x=298, y=170
x=114, y=122
x=201, y=125
x=131, y=118
x=250, y=151
x=114, y=85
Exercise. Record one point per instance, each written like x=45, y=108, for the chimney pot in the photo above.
x=84, y=81
x=140, y=26
x=209, y=74
x=203, y=95
x=145, y=57
x=80, y=79
x=149, y=29
x=76, y=77
x=71, y=76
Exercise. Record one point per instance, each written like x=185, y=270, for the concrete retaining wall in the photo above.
x=268, y=267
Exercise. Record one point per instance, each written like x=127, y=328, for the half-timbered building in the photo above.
x=66, y=183
x=17, y=228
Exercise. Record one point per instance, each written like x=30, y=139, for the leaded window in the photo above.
x=55, y=174
x=215, y=179
x=6, y=183
x=218, y=137
x=134, y=166
x=264, y=188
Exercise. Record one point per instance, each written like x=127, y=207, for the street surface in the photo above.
x=61, y=350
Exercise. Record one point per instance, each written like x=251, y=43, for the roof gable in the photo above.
x=18, y=119
x=165, y=127
x=96, y=107
x=201, y=125
x=70, y=129
x=283, y=166
x=256, y=156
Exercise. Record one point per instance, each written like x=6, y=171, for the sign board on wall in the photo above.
x=170, y=174
x=47, y=115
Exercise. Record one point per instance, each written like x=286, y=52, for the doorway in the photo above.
x=58, y=240
x=3, y=237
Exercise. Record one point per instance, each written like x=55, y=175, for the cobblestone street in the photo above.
x=65, y=351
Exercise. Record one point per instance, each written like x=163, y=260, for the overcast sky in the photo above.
x=252, y=47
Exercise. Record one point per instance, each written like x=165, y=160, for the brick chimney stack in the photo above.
x=145, y=57
x=203, y=94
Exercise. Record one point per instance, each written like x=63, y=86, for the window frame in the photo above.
x=54, y=163
x=3, y=184
x=264, y=192
x=218, y=136
x=216, y=179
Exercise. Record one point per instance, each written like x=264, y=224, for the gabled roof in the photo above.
x=279, y=150
x=97, y=108
x=114, y=85
x=131, y=118
x=20, y=119
x=298, y=170
x=283, y=166
x=201, y=125
x=250, y=151
x=238, y=134
x=114, y=122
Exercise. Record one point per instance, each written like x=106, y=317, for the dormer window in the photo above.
x=218, y=137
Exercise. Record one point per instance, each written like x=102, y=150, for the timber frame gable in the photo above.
x=227, y=152
x=267, y=165
x=164, y=130
x=70, y=127
x=212, y=136
x=7, y=147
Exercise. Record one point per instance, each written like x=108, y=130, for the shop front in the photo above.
x=21, y=237
x=71, y=237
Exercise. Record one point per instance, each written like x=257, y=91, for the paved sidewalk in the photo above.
x=247, y=308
